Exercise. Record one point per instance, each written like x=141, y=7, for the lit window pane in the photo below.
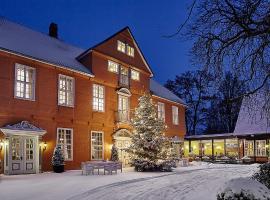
x=65, y=140
x=135, y=75
x=98, y=97
x=121, y=46
x=65, y=90
x=96, y=146
x=112, y=66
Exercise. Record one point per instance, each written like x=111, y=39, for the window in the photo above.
x=123, y=108
x=130, y=51
x=135, y=75
x=66, y=91
x=260, y=147
x=124, y=77
x=65, y=139
x=121, y=46
x=24, y=82
x=161, y=111
x=98, y=97
x=249, y=149
x=175, y=115
x=112, y=66
x=96, y=145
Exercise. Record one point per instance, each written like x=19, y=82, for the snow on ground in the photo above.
x=202, y=180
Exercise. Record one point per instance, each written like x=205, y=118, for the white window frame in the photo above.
x=247, y=148
x=260, y=150
x=161, y=112
x=121, y=46
x=175, y=115
x=91, y=148
x=25, y=67
x=64, y=144
x=132, y=75
x=113, y=63
x=73, y=91
x=93, y=92
x=130, y=50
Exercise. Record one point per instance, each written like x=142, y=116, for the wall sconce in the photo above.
x=1, y=144
x=44, y=146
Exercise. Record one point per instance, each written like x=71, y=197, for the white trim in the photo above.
x=102, y=132
x=71, y=135
x=124, y=92
x=73, y=90
x=44, y=62
x=170, y=100
x=26, y=67
x=11, y=132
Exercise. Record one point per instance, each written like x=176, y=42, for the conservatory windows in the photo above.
x=161, y=111
x=65, y=139
x=24, y=82
x=260, y=147
x=66, y=91
x=98, y=97
x=249, y=147
x=96, y=145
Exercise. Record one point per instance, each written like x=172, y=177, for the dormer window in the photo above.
x=125, y=48
x=112, y=66
x=121, y=46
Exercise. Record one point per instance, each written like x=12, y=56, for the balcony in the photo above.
x=122, y=116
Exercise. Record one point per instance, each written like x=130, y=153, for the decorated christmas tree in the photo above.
x=58, y=159
x=149, y=149
x=114, y=153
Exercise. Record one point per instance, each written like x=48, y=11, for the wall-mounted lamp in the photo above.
x=1, y=144
x=44, y=146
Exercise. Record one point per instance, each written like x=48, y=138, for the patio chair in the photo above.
x=119, y=166
x=87, y=168
x=110, y=168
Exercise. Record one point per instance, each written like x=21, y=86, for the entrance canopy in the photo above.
x=22, y=128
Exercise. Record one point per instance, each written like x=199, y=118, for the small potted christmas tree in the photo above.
x=58, y=160
x=114, y=154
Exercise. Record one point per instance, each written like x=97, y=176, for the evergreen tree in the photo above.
x=114, y=154
x=149, y=149
x=58, y=157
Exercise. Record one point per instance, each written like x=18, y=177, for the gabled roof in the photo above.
x=18, y=39
x=160, y=91
x=252, y=118
x=107, y=39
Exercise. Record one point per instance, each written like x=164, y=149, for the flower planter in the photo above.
x=58, y=168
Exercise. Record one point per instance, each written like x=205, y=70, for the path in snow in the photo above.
x=194, y=184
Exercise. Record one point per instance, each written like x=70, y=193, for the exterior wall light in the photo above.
x=44, y=146
x=1, y=144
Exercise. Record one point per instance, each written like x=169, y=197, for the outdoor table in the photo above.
x=105, y=165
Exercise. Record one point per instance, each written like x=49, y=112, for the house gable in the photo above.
x=109, y=47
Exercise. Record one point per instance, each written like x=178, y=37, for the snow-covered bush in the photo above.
x=244, y=189
x=150, y=150
x=263, y=175
x=114, y=154
x=58, y=157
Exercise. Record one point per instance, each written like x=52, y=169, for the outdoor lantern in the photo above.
x=1, y=145
x=44, y=146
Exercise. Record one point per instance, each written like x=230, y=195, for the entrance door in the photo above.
x=121, y=145
x=22, y=155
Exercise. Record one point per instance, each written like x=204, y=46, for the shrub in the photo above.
x=229, y=195
x=263, y=175
x=146, y=165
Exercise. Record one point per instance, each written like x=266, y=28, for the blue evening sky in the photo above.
x=84, y=23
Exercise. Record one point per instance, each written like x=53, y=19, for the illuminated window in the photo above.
x=121, y=46
x=65, y=139
x=130, y=51
x=135, y=75
x=175, y=115
x=24, y=82
x=161, y=111
x=249, y=148
x=66, y=91
x=112, y=66
x=260, y=147
x=96, y=145
x=98, y=97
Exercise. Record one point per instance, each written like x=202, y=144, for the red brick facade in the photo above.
x=45, y=112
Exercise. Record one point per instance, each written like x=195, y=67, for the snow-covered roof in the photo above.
x=160, y=91
x=252, y=119
x=21, y=40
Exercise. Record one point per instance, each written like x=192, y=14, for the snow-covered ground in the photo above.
x=201, y=181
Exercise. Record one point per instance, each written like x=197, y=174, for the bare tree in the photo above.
x=232, y=35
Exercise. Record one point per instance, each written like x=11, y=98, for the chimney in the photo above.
x=53, y=30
